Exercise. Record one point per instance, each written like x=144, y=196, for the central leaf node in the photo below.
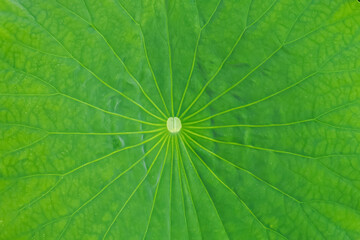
x=173, y=124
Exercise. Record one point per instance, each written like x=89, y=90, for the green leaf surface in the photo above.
x=267, y=92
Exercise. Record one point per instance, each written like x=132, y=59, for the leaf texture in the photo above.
x=268, y=94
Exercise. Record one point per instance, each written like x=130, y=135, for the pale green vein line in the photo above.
x=339, y=176
x=83, y=133
x=335, y=203
x=242, y=169
x=190, y=75
x=81, y=166
x=104, y=133
x=338, y=127
x=42, y=226
x=342, y=106
x=253, y=70
x=112, y=153
x=249, y=104
x=118, y=57
x=146, y=54
x=177, y=147
x=189, y=191
x=315, y=119
x=93, y=161
x=38, y=50
x=36, y=229
x=248, y=146
x=26, y=146
x=126, y=11
x=34, y=176
x=5, y=189
x=312, y=224
x=250, y=125
x=246, y=76
x=90, y=71
x=111, y=113
x=171, y=182
x=88, y=104
x=212, y=14
x=272, y=150
x=226, y=58
x=184, y=142
x=297, y=19
x=253, y=175
x=138, y=186
x=215, y=74
x=32, y=202
x=341, y=70
x=106, y=187
x=232, y=191
x=154, y=199
x=86, y=6
x=25, y=206
x=265, y=98
x=170, y=61
x=17, y=70
x=317, y=29
x=194, y=57
x=28, y=94
x=263, y=14
x=329, y=220
x=152, y=72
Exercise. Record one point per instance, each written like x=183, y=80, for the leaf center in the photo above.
x=173, y=124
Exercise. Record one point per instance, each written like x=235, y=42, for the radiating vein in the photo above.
x=215, y=74
x=107, y=133
x=61, y=176
x=115, y=53
x=146, y=53
x=314, y=119
x=225, y=60
x=202, y=183
x=112, y=153
x=267, y=97
x=126, y=11
x=188, y=125
x=178, y=154
x=28, y=94
x=26, y=146
x=84, y=133
x=171, y=182
x=194, y=57
x=138, y=186
x=38, y=50
x=189, y=189
x=270, y=149
x=243, y=169
x=301, y=203
x=154, y=199
x=111, y=113
x=284, y=43
x=248, y=146
x=89, y=70
x=85, y=103
x=232, y=191
x=251, y=71
x=246, y=105
x=170, y=61
x=152, y=72
x=106, y=186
